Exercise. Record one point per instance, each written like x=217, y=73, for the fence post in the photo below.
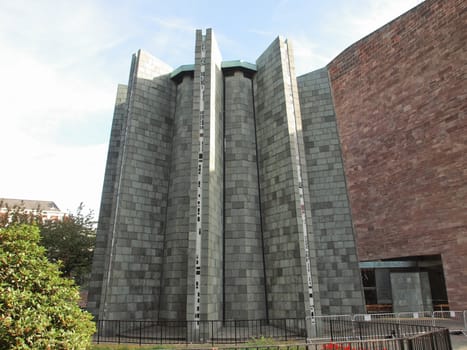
x=98, y=331
x=410, y=344
x=285, y=328
x=140, y=331
x=432, y=340
x=330, y=329
x=235, y=330
x=119, y=331
x=212, y=333
x=160, y=326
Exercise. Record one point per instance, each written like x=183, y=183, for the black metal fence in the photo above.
x=214, y=332
x=327, y=333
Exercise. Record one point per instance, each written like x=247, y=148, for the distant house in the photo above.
x=48, y=210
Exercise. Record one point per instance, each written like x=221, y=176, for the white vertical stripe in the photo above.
x=293, y=127
x=199, y=197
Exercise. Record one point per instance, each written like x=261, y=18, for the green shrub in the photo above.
x=38, y=307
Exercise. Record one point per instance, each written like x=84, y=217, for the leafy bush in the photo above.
x=38, y=307
x=70, y=241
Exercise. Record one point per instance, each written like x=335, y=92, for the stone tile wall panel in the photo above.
x=108, y=199
x=174, y=275
x=278, y=185
x=339, y=276
x=134, y=253
x=244, y=270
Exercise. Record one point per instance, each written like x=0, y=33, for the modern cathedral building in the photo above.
x=219, y=202
x=232, y=189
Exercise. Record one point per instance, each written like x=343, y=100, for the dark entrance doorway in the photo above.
x=413, y=283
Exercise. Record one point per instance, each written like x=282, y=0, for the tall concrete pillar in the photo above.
x=174, y=276
x=244, y=285
x=205, y=254
x=111, y=177
x=290, y=269
x=340, y=287
x=133, y=254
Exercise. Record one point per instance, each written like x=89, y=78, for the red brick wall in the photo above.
x=400, y=97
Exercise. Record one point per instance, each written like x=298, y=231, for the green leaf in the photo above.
x=38, y=307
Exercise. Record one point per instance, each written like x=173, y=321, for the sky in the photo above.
x=61, y=61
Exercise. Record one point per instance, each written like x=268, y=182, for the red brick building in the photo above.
x=400, y=99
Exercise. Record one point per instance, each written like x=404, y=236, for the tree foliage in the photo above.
x=38, y=307
x=70, y=241
x=17, y=215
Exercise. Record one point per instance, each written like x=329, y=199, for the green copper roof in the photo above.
x=181, y=69
x=239, y=64
x=224, y=65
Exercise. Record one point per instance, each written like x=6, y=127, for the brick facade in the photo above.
x=400, y=101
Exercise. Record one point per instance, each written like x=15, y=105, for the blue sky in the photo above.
x=60, y=63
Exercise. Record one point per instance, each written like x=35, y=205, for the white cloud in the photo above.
x=38, y=101
x=174, y=23
x=339, y=26
x=307, y=55
x=352, y=20
x=66, y=175
x=52, y=76
x=266, y=33
x=38, y=97
x=59, y=33
x=171, y=40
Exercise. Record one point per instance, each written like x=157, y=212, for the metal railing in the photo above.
x=454, y=320
x=324, y=330
x=214, y=332
x=437, y=339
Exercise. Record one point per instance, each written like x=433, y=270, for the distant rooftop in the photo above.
x=28, y=204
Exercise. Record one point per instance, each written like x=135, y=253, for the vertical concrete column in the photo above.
x=307, y=237
x=212, y=245
x=204, y=265
x=286, y=219
x=244, y=271
x=174, y=277
x=132, y=273
x=108, y=199
x=339, y=278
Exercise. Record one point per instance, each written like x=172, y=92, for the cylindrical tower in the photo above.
x=244, y=285
x=173, y=291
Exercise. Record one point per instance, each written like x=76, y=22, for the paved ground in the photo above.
x=459, y=342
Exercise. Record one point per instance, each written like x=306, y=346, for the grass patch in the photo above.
x=131, y=347
x=261, y=341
